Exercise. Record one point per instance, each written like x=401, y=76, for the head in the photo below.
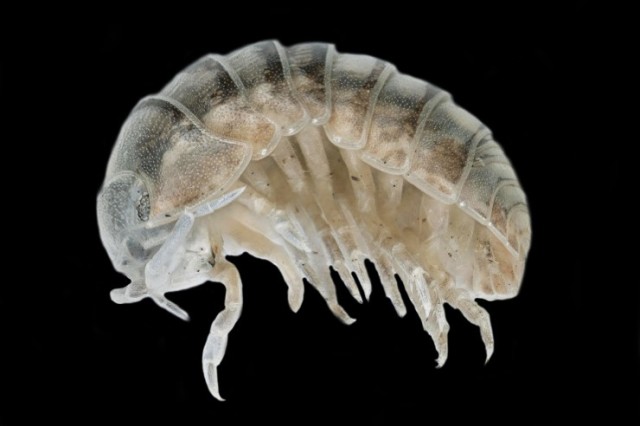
x=123, y=214
x=163, y=162
x=138, y=246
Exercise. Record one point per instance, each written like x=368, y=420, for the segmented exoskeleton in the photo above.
x=312, y=159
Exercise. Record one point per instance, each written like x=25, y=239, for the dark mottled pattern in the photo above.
x=353, y=79
x=395, y=121
x=143, y=140
x=201, y=86
x=261, y=67
x=179, y=161
x=444, y=150
x=308, y=72
x=488, y=173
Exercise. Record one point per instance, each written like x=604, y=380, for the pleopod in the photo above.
x=312, y=159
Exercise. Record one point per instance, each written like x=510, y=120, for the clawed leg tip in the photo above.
x=442, y=359
x=215, y=391
x=344, y=318
x=211, y=377
x=295, y=298
x=489, y=355
x=341, y=314
x=217, y=396
x=366, y=289
x=295, y=306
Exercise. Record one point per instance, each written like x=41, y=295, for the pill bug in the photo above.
x=312, y=159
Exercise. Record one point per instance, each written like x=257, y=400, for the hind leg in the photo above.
x=475, y=314
x=216, y=344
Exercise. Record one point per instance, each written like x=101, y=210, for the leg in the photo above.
x=319, y=277
x=475, y=314
x=335, y=259
x=438, y=328
x=352, y=249
x=258, y=244
x=295, y=264
x=413, y=275
x=424, y=293
x=216, y=344
x=387, y=275
x=314, y=270
x=433, y=320
x=158, y=271
x=173, y=266
x=165, y=261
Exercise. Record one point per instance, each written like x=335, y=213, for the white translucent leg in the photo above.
x=388, y=280
x=433, y=320
x=319, y=277
x=260, y=246
x=381, y=258
x=335, y=259
x=353, y=252
x=287, y=159
x=287, y=226
x=294, y=263
x=438, y=327
x=162, y=272
x=413, y=276
x=216, y=344
x=386, y=271
x=423, y=294
x=353, y=256
x=285, y=222
x=314, y=265
x=291, y=274
x=347, y=278
x=158, y=271
x=390, y=187
x=476, y=315
x=354, y=246
x=362, y=182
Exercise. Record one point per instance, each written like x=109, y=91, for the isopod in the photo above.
x=312, y=159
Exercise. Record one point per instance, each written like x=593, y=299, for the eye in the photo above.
x=143, y=207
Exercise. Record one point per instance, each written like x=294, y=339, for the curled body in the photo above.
x=312, y=159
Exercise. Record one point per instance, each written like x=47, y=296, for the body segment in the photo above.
x=313, y=159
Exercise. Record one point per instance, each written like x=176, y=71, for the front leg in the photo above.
x=216, y=345
x=158, y=273
x=182, y=261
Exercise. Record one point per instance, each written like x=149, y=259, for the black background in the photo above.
x=567, y=348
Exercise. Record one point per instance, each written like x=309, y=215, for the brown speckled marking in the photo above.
x=447, y=159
